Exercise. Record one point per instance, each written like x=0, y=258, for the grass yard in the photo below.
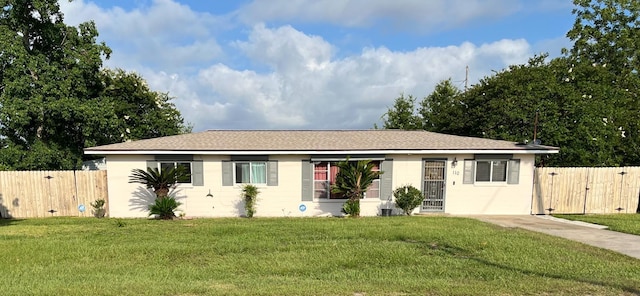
x=301, y=256
x=628, y=223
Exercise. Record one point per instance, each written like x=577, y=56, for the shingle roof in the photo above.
x=315, y=140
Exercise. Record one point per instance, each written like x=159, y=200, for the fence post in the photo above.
x=586, y=192
x=619, y=208
x=51, y=210
x=550, y=209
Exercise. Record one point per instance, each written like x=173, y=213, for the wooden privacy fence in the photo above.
x=586, y=190
x=31, y=194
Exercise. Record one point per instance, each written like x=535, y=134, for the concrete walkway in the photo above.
x=590, y=234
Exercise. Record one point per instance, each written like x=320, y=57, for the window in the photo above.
x=249, y=169
x=486, y=170
x=251, y=172
x=491, y=171
x=324, y=176
x=185, y=165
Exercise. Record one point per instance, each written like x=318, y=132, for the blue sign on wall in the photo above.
x=302, y=208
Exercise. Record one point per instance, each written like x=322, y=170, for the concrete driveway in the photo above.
x=590, y=234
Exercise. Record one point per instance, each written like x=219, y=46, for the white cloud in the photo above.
x=301, y=84
x=415, y=14
x=165, y=33
x=342, y=93
x=303, y=52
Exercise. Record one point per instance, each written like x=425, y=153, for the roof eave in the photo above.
x=328, y=152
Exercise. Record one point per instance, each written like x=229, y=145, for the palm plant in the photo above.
x=164, y=208
x=161, y=181
x=352, y=181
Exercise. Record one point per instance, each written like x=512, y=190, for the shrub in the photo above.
x=407, y=198
x=351, y=207
x=164, y=208
x=250, y=196
x=98, y=208
x=352, y=181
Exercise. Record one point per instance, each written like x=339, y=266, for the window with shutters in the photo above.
x=250, y=172
x=491, y=171
x=324, y=176
x=174, y=164
x=247, y=169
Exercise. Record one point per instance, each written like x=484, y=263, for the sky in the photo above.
x=315, y=64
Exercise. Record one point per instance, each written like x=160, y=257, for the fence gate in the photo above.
x=434, y=183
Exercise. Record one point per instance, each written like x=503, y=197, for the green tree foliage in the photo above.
x=442, y=110
x=54, y=98
x=583, y=109
x=606, y=32
x=137, y=111
x=403, y=115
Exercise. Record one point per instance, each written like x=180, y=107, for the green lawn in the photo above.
x=628, y=223
x=301, y=256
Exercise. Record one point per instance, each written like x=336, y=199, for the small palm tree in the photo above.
x=164, y=208
x=352, y=181
x=160, y=180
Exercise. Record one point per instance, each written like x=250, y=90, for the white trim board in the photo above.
x=312, y=152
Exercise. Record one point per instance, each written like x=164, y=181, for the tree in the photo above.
x=605, y=32
x=442, y=110
x=352, y=181
x=137, y=111
x=54, y=98
x=588, y=111
x=49, y=73
x=402, y=115
x=581, y=108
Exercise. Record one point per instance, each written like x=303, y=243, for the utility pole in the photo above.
x=466, y=78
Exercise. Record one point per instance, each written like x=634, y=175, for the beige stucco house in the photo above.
x=295, y=169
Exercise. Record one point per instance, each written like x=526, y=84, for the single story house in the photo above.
x=294, y=170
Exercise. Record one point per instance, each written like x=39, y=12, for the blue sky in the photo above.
x=315, y=64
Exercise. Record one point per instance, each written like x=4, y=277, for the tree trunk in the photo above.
x=162, y=193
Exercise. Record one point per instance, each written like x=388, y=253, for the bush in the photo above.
x=351, y=207
x=98, y=208
x=407, y=198
x=164, y=208
x=250, y=196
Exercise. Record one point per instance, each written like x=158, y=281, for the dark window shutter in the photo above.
x=272, y=177
x=469, y=171
x=513, y=175
x=386, y=179
x=227, y=173
x=197, y=174
x=307, y=181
